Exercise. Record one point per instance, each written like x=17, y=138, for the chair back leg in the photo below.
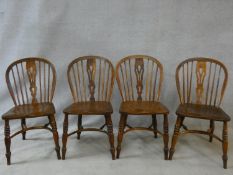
x=165, y=136
x=64, y=136
x=154, y=125
x=225, y=144
x=211, y=130
x=79, y=126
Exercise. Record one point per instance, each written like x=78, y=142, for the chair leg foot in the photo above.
x=55, y=135
x=118, y=149
x=24, y=136
x=58, y=153
x=112, y=150
x=166, y=153
x=78, y=136
x=63, y=153
x=8, y=157
x=171, y=152
x=224, y=158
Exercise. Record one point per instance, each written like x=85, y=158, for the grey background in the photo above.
x=170, y=30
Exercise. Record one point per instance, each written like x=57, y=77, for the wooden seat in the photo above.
x=143, y=108
x=89, y=108
x=91, y=80
x=201, y=83
x=139, y=78
x=203, y=112
x=31, y=83
x=29, y=111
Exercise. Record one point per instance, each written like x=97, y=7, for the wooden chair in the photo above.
x=31, y=83
x=201, y=83
x=91, y=80
x=139, y=79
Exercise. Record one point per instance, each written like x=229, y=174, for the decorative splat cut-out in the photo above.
x=91, y=69
x=31, y=71
x=139, y=70
x=200, y=75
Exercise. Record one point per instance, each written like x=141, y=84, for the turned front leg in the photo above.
x=55, y=135
x=7, y=141
x=110, y=134
x=122, y=124
x=175, y=136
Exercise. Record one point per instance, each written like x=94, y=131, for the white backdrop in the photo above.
x=170, y=30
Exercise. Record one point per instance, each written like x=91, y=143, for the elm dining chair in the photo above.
x=201, y=83
x=139, y=79
x=91, y=80
x=31, y=83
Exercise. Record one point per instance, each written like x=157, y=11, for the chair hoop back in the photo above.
x=201, y=81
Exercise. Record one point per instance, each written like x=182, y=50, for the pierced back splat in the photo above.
x=91, y=69
x=139, y=71
x=200, y=75
x=31, y=71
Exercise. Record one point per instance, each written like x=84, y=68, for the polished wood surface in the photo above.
x=202, y=112
x=31, y=83
x=143, y=108
x=30, y=111
x=201, y=84
x=89, y=108
x=91, y=80
x=139, y=78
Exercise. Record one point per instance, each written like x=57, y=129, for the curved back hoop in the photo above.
x=31, y=80
x=201, y=81
x=139, y=78
x=91, y=78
